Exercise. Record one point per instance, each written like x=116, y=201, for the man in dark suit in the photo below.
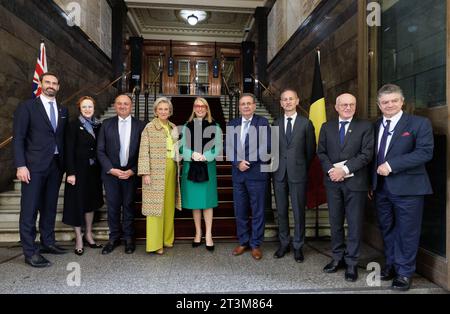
x=38, y=145
x=297, y=146
x=248, y=148
x=404, y=143
x=117, y=152
x=345, y=150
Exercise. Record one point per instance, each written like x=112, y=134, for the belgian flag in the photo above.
x=316, y=194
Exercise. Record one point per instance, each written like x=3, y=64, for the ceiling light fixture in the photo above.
x=192, y=19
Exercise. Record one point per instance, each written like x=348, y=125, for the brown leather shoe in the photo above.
x=257, y=253
x=238, y=250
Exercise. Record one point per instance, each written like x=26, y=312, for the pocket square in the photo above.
x=406, y=134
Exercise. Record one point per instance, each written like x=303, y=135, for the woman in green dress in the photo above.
x=201, y=143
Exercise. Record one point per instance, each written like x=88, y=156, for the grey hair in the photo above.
x=389, y=89
x=162, y=100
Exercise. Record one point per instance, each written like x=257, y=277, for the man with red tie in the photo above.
x=404, y=144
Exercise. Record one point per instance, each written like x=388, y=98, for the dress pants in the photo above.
x=345, y=204
x=160, y=229
x=250, y=194
x=400, y=221
x=120, y=195
x=297, y=192
x=40, y=194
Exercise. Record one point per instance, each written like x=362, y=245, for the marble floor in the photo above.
x=183, y=269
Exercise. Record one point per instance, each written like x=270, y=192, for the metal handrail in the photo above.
x=9, y=139
x=96, y=93
x=273, y=96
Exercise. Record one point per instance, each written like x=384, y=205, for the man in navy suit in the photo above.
x=345, y=150
x=117, y=152
x=404, y=143
x=38, y=145
x=248, y=148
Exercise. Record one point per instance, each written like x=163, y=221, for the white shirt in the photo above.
x=347, y=171
x=46, y=101
x=127, y=138
x=393, y=124
x=347, y=125
x=294, y=116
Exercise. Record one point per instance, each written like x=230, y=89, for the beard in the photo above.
x=49, y=92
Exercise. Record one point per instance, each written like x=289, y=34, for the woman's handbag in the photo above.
x=198, y=171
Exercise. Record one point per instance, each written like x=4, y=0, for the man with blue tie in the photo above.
x=248, y=148
x=117, y=152
x=404, y=144
x=38, y=145
x=345, y=151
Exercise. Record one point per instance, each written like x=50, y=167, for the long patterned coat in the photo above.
x=152, y=161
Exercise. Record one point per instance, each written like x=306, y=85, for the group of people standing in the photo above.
x=386, y=161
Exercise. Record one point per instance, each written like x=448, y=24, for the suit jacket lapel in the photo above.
x=59, y=117
x=398, y=131
x=282, y=131
x=41, y=109
x=115, y=129
x=335, y=132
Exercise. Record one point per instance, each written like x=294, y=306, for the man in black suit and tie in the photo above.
x=38, y=145
x=297, y=146
x=117, y=152
x=404, y=143
x=345, y=150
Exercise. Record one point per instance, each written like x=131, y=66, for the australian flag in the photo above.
x=41, y=68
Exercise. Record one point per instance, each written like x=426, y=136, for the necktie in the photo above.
x=244, y=132
x=289, y=130
x=342, y=132
x=52, y=115
x=382, y=149
x=123, y=148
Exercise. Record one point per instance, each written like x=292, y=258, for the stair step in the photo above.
x=9, y=231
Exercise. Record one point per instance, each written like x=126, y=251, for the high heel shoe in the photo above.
x=92, y=245
x=210, y=247
x=160, y=251
x=78, y=252
x=196, y=244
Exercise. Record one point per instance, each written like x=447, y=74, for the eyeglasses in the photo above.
x=347, y=105
x=200, y=106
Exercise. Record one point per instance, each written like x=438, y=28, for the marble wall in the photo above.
x=79, y=64
x=94, y=18
x=332, y=28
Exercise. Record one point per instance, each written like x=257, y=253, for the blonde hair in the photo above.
x=208, y=112
x=162, y=100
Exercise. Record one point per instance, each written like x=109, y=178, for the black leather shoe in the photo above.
x=52, y=249
x=38, y=260
x=210, y=247
x=333, y=266
x=282, y=251
x=351, y=273
x=130, y=247
x=298, y=256
x=401, y=283
x=110, y=246
x=387, y=273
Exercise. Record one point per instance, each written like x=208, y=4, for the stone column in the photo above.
x=119, y=13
